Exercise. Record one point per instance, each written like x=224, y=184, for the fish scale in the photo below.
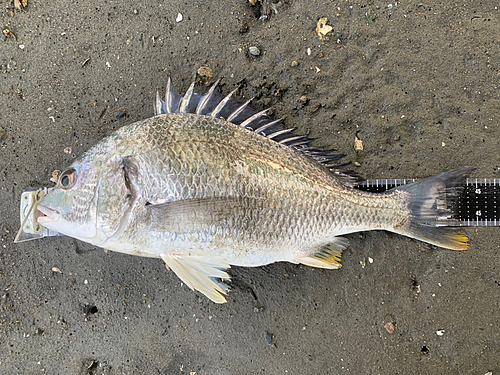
x=208, y=183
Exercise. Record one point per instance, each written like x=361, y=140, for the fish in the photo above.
x=208, y=183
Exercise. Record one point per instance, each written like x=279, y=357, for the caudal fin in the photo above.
x=430, y=203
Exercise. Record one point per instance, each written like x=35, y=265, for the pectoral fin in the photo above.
x=327, y=256
x=199, y=272
x=193, y=215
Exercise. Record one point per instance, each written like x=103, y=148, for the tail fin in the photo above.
x=429, y=202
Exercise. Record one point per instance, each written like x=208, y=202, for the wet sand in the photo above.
x=417, y=82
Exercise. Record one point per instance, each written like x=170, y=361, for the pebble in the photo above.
x=205, y=74
x=3, y=135
x=269, y=338
x=254, y=51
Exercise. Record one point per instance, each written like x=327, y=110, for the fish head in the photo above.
x=70, y=208
x=89, y=202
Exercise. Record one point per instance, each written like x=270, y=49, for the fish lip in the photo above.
x=51, y=215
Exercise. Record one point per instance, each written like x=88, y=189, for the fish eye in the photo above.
x=67, y=179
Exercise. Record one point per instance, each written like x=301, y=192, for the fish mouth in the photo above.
x=51, y=216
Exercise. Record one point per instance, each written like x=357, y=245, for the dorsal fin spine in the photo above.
x=240, y=109
x=186, y=99
x=172, y=98
x=222, y=104
x=267, y=126
x=207, y=97
x=255, y=117
x=158, y=104
x=279, y=132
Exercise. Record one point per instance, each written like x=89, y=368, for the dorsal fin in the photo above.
x=213, y=104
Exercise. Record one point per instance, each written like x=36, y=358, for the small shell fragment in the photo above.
x=179, y=18
x=440, y=332
x=389, y=327
x=55, y=176
x=358, y=144
x=7, y=32
x=68, y=150
x=55, y=269
x=322, y=28
x=20, y=4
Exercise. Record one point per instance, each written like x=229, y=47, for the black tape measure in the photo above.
x=477, y=205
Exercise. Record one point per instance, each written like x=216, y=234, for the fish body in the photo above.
x=208, y=183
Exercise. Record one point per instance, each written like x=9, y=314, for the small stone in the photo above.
x=269, y=338
x=243, y=27
x=90, y=309
x=295, y=63
x=3, y=135
x=254, y=51
x=179, y=18
x=205, y=74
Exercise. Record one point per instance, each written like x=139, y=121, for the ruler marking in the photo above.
x=477, y=205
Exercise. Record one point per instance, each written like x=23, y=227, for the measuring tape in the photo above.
x=475, y=207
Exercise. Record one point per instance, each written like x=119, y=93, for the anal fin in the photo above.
x=198, y=272
x=327, y=256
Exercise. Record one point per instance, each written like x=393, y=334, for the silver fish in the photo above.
x=208, y=183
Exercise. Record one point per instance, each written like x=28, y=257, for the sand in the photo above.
x=416, y=82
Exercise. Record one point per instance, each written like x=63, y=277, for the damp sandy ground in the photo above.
x=417, y=82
